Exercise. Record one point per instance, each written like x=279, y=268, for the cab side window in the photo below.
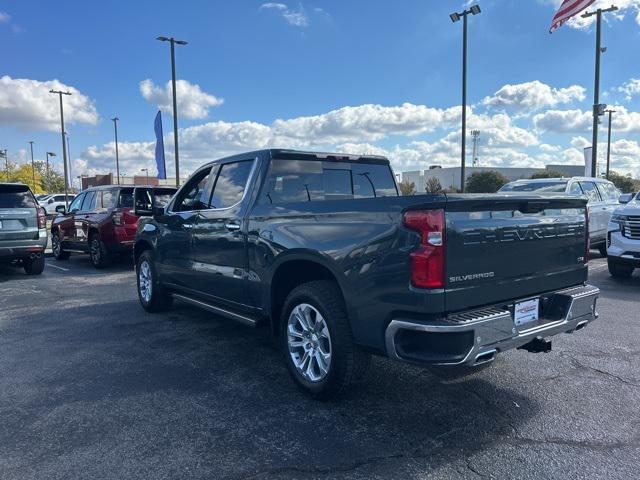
x=75, y=205
x=230, y=184
x=191, y=196
x=89, y=202
x=590, y=191
x=574, y=189
x=608, y=192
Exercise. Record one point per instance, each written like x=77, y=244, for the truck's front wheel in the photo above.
x=619, y=271
x=317, y=340
x=152, y=295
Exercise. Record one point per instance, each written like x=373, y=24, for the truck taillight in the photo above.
x=428, y=260
x=117, y=218
x=42, y=218
x=587, y=241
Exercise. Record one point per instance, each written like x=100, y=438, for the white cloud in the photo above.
x=630, y=88
x=27, y=104
x=297, y=18
x=4, y=17
x=545, y=147
x=132, y=156
x=193, y=103
x=533, y=96
x=563, y=121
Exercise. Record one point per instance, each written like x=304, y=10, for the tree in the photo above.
x=624, y=183
x=407, y=188
x=488, y=181
x=433, y=185
x=547, y=174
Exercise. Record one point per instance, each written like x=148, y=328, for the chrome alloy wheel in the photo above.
x=309, y=342
x=144, y=281
x=55, y=244
x=94, y=250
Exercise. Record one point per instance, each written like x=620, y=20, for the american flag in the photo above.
x=568, y=9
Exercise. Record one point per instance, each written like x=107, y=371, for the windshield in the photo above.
x=557, y=187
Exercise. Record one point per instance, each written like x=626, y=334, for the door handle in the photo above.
x=232, y=226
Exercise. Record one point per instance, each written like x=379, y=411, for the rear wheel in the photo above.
x=56, y=246
x=318, y=344
x=152, y=295
x=619, y=271
x=33, y=266
x=98, y=252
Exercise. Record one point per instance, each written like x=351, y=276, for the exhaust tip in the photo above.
x=485, y=357
x=581, y=325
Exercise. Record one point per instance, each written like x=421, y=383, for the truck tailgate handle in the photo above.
x=232, y=226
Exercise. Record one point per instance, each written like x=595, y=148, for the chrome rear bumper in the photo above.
x=475, y=337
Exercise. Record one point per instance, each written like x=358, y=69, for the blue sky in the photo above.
x=281, y=74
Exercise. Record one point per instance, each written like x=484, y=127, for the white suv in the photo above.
x=623, y=239
x=52, y=201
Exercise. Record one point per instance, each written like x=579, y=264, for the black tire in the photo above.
x=56, y=246
x=98, y=253
x=348, y=362
x=602, y=248
x=33, y=266
x=619, y=271
x=159, y=299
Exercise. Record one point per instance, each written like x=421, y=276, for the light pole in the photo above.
x=610, y=112
x=115, y=127
x=455, y=17
x=49, y=154
x=147, y=172
x=475, y=134
x=597, y=108
x=173, y=41
x=33, y=167
x=64, y=145
x=69, y=157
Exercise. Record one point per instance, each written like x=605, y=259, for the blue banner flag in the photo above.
x=162, y=169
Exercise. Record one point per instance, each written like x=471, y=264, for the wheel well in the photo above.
x=287, y=277
x=138, y=248
x=92, y=232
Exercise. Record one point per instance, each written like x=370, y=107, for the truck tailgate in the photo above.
x=500, y=248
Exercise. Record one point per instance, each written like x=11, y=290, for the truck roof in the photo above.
x=289, y=154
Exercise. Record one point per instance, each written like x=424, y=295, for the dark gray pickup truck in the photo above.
x=323, y=250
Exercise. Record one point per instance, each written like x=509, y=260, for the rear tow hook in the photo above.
x=537, y=345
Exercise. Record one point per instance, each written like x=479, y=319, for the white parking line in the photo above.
x=59, y=268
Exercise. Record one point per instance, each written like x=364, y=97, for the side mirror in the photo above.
x=625, y=198
x=50, y=201
x=61, y=209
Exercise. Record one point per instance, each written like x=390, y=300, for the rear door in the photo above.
x=499, y=249
x=610, y=199
x=598, y=217
x=18, y=214
x=219, y=236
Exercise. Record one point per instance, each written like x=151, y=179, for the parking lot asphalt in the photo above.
x=91, y=386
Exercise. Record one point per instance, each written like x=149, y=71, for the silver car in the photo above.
x=602, y=194
x=23, y=228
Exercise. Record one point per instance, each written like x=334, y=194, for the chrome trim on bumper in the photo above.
x=494, y=328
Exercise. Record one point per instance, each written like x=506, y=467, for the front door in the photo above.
x=220, y=238
x=597, y=212
x=67, y=224
x=175, y=259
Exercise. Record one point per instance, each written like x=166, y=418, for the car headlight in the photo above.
x=618, y=218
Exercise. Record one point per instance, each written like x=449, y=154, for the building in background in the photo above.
x=109, y=179
x=449, y=177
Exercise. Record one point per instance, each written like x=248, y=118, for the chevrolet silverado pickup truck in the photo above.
x=323, y=250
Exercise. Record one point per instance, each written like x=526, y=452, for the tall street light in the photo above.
x=115, y=127
x=66, y=134
x=146, y=170
x=173, y=42
x=3, y=153
x=598, y=109
x=33, y=167
x=64, y=145
x=610, y=112
x=455, y=17
x=49, y=154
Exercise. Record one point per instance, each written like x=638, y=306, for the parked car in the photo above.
x=101, y=222
x=323, y=250
x=23, y=228
x=624, y=239
x=602, y=196
x=50, y=202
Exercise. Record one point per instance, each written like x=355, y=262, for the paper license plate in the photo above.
x=527, y=311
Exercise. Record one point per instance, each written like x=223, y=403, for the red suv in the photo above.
x=101, y=222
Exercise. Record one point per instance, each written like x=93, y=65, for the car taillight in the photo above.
x=427, y=261
x=586, y=238
x=117, y=218
x=42, y=218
